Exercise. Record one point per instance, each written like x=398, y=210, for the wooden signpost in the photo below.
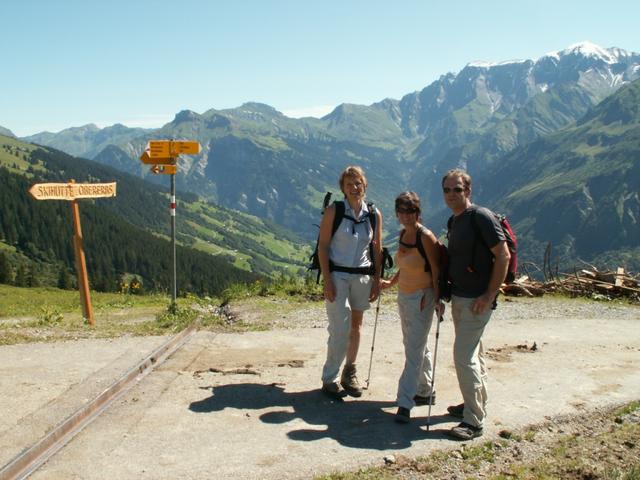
x=73, y=191
x=163, y=155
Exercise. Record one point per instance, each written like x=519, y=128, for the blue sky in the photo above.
x=139, y=62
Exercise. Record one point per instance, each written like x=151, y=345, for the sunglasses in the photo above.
x=454, y=189
x=405, y=210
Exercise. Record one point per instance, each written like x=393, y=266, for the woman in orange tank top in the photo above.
x=417, y=297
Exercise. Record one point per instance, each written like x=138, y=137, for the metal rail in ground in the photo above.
x=25, y=463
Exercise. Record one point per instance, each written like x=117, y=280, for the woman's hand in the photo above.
x=375, y=291
x=329, y=289
x=384, y=284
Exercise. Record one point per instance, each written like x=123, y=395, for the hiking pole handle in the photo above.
x=387, y=261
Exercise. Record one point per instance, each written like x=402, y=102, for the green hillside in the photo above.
x=38, y=246
x=221, y=240
x=579, y=188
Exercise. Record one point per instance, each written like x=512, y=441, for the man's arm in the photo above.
x=498, y=273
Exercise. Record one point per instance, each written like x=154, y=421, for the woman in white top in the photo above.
x=350, y=261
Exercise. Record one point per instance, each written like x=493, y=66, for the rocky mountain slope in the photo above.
x=256, y=160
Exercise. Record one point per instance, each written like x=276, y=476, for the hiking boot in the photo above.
x=464, y=431
x=456, y=410
x=425, y=400
x=349, y=381
x=333, y=390
x=403, y=415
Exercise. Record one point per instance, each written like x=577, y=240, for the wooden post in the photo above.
x=81, y=266
x=72, y=191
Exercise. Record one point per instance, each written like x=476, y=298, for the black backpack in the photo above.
x=337, y=220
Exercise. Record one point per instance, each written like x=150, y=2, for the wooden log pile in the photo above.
x=524, y=287
x=584, y=282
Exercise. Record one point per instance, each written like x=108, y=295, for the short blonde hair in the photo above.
x=353, y=172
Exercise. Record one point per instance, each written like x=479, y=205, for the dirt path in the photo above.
x=247, y=405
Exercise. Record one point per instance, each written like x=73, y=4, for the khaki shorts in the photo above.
x=352, y=290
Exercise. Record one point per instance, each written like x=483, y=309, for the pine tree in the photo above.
x=5, y=268
x=32, y=277
x=64, y=279
x=21, y=276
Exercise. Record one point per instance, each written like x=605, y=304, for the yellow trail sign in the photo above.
x=146, y=158
x=72, y=191
x=171, y=148
x=166, y=169
x=159, y=149
x=189, y=148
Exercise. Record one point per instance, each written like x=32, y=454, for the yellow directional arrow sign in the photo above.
x=72, y=191
x=166, y=169
x=159, y=149
x=188, y=148
x=149, y=160
x=171, y=148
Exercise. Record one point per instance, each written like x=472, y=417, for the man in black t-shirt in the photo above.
x=478, y=261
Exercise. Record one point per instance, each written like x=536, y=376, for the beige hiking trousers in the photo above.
x=415, y=322
x=468, y=356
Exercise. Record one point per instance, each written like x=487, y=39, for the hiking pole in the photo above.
x=386, y=258
x=440, y=318
x=373, y=342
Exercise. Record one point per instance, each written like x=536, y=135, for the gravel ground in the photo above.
x=509, y=308
x=246, y=404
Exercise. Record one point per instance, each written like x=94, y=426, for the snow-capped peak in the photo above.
x=485, y=64
x=589, y=49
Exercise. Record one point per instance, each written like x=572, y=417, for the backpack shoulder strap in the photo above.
x=401, y=235
x=449, y=223
x=373, y=217
x=476, y=227
x=420, y=247
x=339, y=215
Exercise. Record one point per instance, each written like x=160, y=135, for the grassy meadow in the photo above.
x=45, y=314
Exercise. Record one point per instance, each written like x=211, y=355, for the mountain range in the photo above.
x=6, y=132
x=577, y=188
x=485, y=118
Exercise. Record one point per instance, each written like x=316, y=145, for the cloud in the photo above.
x=316, y=111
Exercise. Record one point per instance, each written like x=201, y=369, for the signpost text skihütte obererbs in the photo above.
x=162, y=155
x=73, y=191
